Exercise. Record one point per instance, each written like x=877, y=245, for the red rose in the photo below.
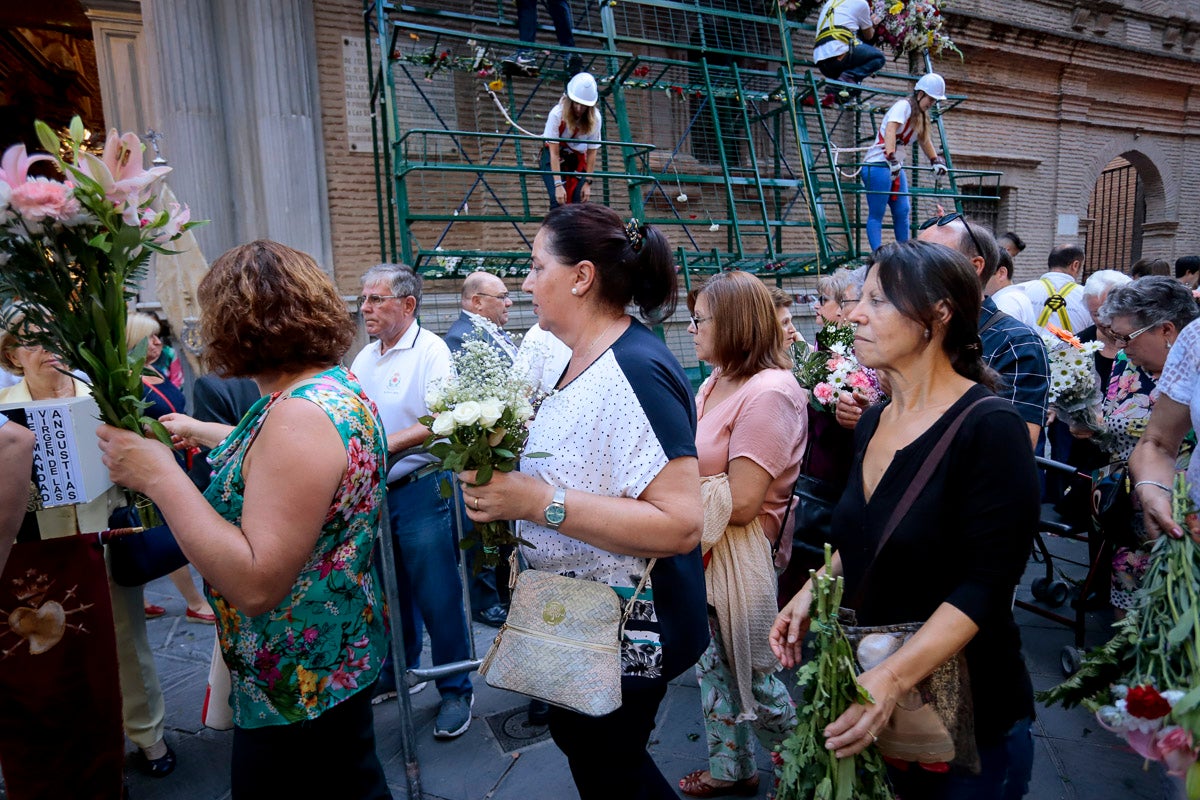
x=1146, y=702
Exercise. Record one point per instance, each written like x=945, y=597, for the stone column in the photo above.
x=121, y=60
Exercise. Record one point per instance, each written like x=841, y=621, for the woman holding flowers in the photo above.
x=620, y=483
x=883, y=164
x=286, y=554
x=43, y=377
x=749, y=440
x=1144, y=318
x=960, y=547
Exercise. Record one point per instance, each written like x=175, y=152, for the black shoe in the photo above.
x=520, y=65
x=574, y=65
x=539, y=712
x=156, y=768
x=494, y=616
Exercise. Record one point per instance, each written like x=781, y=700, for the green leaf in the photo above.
x=484, y=475
x=845, y=778
x=445, y=489
x=535, y=455
x=504, y=453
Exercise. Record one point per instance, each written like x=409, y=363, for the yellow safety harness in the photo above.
x=1056, y=303
x=828, y=32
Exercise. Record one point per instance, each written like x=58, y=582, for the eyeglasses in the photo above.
x=495, y=296
x=821, y=300
x=1124, y=340
x=847, y=305
x=375, y=299
x=697, y=320
x=946, y=219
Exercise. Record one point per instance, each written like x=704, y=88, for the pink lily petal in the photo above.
x=14, y=166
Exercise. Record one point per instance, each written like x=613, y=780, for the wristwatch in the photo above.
x=556, y=512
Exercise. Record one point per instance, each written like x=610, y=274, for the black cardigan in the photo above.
x=965, y=541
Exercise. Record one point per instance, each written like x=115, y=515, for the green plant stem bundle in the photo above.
x=829, y=686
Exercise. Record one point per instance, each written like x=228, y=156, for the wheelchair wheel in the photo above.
x=1070, y=659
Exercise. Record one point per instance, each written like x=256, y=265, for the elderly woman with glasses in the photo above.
x=749, y=440
x=838, y=292
x=1143, y=318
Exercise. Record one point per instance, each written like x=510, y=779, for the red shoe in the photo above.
x=154, y=612
x=201, y=617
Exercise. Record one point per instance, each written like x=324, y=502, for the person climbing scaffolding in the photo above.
x=523, y=62
x=840, y=50
x=567, y=165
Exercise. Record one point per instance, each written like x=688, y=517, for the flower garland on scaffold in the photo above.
x=912, y=26
x=479, y=422
x=73, y=254
x=1144, y=685
x=832, y=368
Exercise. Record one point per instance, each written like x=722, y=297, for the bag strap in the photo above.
x=918, y=484
x=996, y=316
x=165, y=399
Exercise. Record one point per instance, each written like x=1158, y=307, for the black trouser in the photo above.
x=607, y=754
x=330, y=756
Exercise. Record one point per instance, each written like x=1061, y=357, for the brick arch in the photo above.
x=1162, y=194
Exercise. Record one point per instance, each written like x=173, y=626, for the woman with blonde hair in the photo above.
x=566, y=164
x=749, y=439
x=883, y=165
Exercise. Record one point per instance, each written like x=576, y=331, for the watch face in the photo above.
x=555, y=514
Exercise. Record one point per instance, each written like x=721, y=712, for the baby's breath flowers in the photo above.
x=479, y=423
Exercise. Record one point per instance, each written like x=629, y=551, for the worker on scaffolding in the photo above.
x=523, y=61
x=883, y=164
x=840, y=51
x=572, y=137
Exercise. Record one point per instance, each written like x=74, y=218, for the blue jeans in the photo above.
x=427, y=578
x=560, y=14
x=1007, y=769
x=860, y=63
x=878, y=179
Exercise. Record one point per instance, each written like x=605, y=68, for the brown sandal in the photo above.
x=694, y=785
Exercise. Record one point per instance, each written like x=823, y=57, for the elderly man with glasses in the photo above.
x=485, y=304
x=396, y=372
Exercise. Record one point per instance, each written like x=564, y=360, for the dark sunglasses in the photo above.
x=946, y=219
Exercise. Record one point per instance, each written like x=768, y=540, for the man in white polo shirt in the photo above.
x=1056, y=298
x=397, y=371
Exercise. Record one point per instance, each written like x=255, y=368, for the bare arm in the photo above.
x=867, y=34
x=256, y=564
x=16, y=454
x=927, y=146
x=560, y=191
x=889, y=139
x=1154, y=460
x=946, y=632
x=791, y=624
x=665, y=520
x=405, y=438
x=190, y=432
x=748, y=484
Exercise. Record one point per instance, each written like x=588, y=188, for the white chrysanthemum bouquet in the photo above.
x=1074, y=383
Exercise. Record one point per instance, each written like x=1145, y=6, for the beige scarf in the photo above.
x=741, y=587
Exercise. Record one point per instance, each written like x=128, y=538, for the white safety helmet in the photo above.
x=933, y=85
x=582, y=89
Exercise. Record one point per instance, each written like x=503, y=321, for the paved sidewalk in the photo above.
x=1075, y=758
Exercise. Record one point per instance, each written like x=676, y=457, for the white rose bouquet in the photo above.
x=479, y=423
x=1074, y=383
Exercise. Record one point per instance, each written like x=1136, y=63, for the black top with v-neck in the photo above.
x=964, y=541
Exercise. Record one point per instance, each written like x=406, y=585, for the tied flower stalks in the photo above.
x=1144, y=685
x=807, y=770
x=479, y=422
x=832, y=368
x=72, y=255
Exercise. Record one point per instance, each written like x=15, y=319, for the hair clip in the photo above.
x=633, y=232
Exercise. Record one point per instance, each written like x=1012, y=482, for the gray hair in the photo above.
x=1101, y=281
x=1149, y=301
x=405, y=282
x=835, y=284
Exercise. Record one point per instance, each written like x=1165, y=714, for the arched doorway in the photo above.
x=1117, y=210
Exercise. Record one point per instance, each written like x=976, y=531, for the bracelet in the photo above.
x=1162, y=486
x=559, y=183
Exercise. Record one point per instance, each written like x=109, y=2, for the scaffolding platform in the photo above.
x=713, y=129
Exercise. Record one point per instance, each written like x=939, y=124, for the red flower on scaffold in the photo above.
x=1146, y=702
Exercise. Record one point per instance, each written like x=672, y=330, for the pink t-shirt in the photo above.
x=764, y=421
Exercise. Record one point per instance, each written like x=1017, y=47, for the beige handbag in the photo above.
x=562, y=642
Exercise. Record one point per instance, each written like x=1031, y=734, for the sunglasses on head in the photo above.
x=946, y=219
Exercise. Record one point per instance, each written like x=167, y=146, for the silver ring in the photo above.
x=874, y=738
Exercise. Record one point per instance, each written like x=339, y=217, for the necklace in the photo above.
x=588, y=352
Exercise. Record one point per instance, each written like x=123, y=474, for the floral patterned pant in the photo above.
x=730, y=748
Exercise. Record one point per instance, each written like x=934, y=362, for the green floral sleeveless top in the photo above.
x=327, y=639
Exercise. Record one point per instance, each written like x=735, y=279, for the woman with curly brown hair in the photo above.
x=286, y=554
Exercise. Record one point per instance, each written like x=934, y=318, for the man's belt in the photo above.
x=414, y=476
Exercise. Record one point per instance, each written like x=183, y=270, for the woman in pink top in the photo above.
x=752, y=429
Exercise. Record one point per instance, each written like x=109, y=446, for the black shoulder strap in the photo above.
x=914, y=490
x=996, y=316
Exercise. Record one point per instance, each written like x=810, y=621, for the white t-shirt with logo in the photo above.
x=852, y=14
